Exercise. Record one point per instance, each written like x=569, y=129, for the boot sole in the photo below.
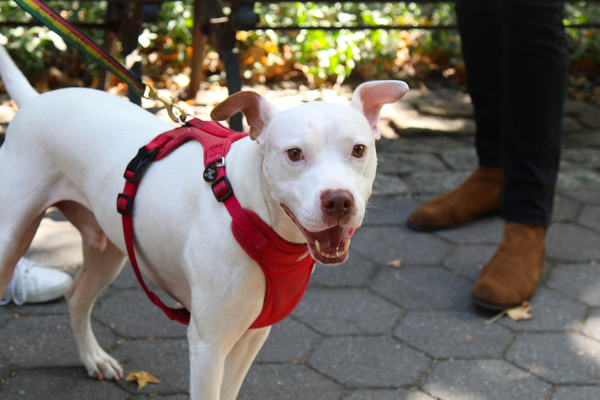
x=491, y=306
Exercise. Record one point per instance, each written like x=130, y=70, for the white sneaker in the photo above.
x=32, y=283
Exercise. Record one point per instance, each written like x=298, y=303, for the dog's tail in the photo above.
x=16, y=84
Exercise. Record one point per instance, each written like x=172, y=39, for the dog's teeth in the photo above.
x=338, y=253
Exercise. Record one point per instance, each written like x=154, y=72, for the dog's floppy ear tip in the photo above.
x=254, y=133
x=216, y=114
x=393, y=89
x=376, y=132
x=240, y=101
x=257, y=110
x=403, y=87
x=370, y=97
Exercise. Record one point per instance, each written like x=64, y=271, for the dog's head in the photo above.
x=319, y=160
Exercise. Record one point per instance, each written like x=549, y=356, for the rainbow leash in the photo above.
x=83, y=43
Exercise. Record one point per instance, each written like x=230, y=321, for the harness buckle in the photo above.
x=124, y=204
x=222, y=189
x=139, y=164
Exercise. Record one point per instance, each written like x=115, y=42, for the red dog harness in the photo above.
x=287, y=267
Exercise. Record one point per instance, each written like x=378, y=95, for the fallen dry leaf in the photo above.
x=521, y=312
x=516, y=313
x=395, y=263
x=142, y=378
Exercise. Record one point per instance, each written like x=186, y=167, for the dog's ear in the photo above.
x=369, y=97
x=257, y=109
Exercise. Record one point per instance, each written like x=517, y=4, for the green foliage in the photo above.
x=332, y=55
x=323, y=57
x=583, y=42
x=33, y=47
x=174, y=28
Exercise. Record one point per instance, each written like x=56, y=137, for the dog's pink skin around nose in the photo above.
x=336, y=204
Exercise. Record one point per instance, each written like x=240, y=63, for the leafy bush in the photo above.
x=318, y=56
x=315, y=57
x=333, y=55
x=585, y=51
x=35, y=48
x=583, y=42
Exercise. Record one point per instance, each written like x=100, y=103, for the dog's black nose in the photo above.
x=337, y=203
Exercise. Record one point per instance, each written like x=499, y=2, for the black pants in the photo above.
x=516, y=60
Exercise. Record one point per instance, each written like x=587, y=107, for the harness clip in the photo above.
x=139, y=164
x=175, y=111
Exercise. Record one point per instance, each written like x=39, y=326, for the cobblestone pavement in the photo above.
x=393, y=323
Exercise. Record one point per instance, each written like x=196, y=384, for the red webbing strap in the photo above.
x=224, y=194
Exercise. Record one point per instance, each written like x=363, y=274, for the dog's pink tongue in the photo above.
x=333, y=238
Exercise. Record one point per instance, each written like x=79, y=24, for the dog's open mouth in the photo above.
x=329, y=246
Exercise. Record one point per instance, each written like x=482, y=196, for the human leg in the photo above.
x=482, y=43
x=536, y=75
x=536, y=82
x=482, y=40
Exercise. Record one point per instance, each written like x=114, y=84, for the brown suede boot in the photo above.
x=477, y=196
x=512, y=274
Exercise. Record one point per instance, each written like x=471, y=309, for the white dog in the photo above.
x=307, y=172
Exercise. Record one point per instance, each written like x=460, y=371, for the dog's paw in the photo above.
x=103, y=366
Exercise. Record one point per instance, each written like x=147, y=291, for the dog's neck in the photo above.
x=245, y=155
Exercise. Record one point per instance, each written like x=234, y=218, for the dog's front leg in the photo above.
x=240, y=359
x=207, y=364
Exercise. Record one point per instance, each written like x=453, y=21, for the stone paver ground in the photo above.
x=393, y=323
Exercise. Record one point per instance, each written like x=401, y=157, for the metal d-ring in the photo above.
x=221, y=164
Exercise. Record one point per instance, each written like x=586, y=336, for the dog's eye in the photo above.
x=358, y=151
x=294, y=154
